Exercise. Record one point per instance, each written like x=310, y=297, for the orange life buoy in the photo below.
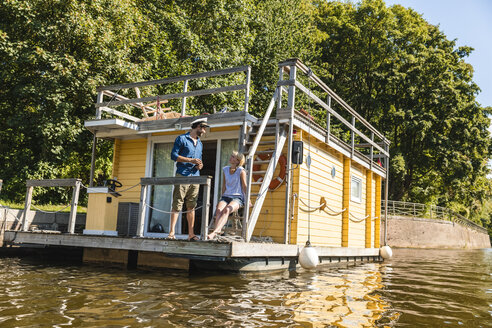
x=280, y=178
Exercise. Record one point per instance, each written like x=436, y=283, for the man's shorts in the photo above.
x=185, y=193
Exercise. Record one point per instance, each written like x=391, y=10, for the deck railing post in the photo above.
x=100, y=97
x=352, y=138
x=183, y=101
x=205, y=209
x=328, y=119
x=142, y=210
x=248, y=82
x=27, y=208
x=288, y=175
x=73, y=207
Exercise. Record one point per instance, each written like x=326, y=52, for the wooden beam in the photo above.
x=52, y=183
x=128, y=243
x=202, y=180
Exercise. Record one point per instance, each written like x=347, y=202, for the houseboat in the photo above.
x=312, y=182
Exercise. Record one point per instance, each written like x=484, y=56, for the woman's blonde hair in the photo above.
x=239, y=156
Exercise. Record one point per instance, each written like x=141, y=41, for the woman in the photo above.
x=233, y=191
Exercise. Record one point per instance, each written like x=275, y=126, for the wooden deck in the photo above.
x=226, y=256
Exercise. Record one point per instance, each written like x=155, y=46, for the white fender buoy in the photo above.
x=386, y=252
x=308, y=258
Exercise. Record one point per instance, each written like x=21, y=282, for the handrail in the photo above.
x=140, y=102
x=148, y=181
x=264, y=122
x=30, y=184
x=420, y=210
x=306, y=70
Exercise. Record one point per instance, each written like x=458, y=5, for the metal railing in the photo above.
x=147, y=182
x=150, y=102
x=417, y=210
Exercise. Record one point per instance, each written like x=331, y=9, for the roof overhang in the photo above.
x=118, y=128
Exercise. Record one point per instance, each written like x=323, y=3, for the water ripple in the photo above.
x=417, y=288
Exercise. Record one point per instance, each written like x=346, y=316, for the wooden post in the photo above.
x=205, y=209
x=27, y=207
x=141, y=211
x=183, y=101
x=346, y=201
x=73, y=207
x=377, y=223
x=368, y=208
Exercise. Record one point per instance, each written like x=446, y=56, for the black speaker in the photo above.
x=297, y=148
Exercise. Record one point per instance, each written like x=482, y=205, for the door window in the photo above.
x=161, y=196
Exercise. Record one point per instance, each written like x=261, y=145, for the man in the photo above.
x=187, y=152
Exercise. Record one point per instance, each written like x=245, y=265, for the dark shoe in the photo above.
x=194, y=238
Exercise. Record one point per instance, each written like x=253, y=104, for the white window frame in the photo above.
x=356, y=198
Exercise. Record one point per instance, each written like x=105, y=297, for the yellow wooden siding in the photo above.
x=315, y=183
x=130, y=167
x=346, y=201
x=357, y=211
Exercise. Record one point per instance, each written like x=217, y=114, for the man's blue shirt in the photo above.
x=184, y=146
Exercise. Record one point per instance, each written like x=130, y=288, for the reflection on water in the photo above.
x=341, y=298
x=423, y=288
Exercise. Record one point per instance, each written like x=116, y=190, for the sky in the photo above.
x=470, y=23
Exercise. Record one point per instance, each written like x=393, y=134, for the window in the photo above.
x=356, y=189
x=161, y=196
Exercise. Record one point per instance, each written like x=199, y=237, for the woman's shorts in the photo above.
x=232, y=199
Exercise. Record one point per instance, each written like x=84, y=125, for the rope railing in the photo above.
x=418, y=210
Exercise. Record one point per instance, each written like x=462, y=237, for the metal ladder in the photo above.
x=252, y=141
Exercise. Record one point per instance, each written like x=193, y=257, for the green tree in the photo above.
x=407, y=78
x=53, y=55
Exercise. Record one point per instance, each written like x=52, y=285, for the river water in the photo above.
x=417, y=288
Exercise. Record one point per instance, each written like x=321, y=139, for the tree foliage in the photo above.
x=398, y=71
